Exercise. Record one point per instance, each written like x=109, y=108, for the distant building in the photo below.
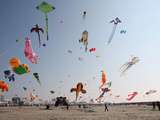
x=2, y=98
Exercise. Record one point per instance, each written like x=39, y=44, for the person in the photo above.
x=47, y=107
x=158, y=105
x=67, y=107
x=106, y=108
x=154, y=105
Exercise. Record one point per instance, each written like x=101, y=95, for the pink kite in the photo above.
x=132, y=95
x=29, y=53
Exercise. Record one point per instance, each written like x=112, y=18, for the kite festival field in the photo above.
x=123, y=112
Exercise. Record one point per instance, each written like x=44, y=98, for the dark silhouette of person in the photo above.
x=106, y=108
x=154, y=105
x=158, y=105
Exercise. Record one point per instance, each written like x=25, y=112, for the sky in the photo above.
x=60, y=70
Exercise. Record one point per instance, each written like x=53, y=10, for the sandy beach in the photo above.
x=92, y=113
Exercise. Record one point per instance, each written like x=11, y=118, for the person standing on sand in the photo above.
x=106, y=108
x=158, y=105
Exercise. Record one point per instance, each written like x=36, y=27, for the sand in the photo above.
x=129, y=112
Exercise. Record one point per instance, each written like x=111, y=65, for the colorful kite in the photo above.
x=151, y=92
x=78, y=89
x=46, y=8
x=103, y=80
x=129, y=64
x=9, y=75
x=33, y=97
x=4, y=86
x=17, y=67
x=84, y=39
x=29, y=53
x=115, y=21
x=36, y=75
x=132, y=95
x=104, y=90
x=37, y=29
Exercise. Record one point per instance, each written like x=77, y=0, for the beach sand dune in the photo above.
x=129, y=112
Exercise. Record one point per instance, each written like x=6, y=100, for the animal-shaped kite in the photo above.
x=9, y=75
x=132, y=95
x=84, y=39
x=92, y=49
x=129, y=64
x=3, y=86
x=115, y=21
x=17, y=67
x=36, y=75
x=103, y=80
x=78, y=89
x=46, y=8
x=151, y=92
x=37, y=29
x=29, y=53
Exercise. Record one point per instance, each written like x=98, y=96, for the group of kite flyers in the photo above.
x=18, y=68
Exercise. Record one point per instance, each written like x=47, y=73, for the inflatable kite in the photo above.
x=29, y=53
x=115, y=21
x=129, y=64
x=84, y=39
x=3, y=86
x=17, y=67
x=45, y=8
x=9, y=75
x=103, y=80
x=37, y=29
x=78, y=89
x=132, y=95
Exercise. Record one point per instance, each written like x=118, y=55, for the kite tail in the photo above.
x=47, y=26
x=112, y=33
x=39, y=39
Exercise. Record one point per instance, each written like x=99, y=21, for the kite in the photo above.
x=70, y=51
x=132, y=95
x=129, y=64
x=24, y=88
x=9, y=75
x=29, y=53
x=17, y=67
x=84, y=39
x=37, y=29
x=104, y=90
x=151, y=92
x=78, y=89
x=52, y=92
x=103, y=80
x=46, y=8
x=115, y=21
x=84, y=14
x=14, y=62
x=123, y=31
x=92, y=50
x=109, y=84
x=3, y=86
x=36, y=75
x=32, y=97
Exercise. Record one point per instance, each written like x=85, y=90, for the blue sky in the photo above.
x=140, y=19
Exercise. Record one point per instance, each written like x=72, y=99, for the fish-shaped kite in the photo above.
x=29, y=53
